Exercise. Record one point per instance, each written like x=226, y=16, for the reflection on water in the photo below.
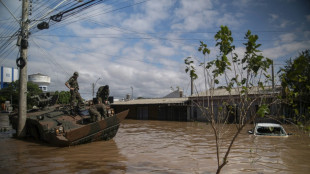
x=157, y=147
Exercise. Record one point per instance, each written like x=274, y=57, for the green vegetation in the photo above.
x=295, y=78
x=64, y=97
x=11, y=93
x=230, y=72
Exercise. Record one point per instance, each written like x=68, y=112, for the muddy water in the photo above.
x=157, y=147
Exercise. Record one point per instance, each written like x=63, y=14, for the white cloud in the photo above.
x=162, y=51
x=274, y=17
x=288, y=37
x=150, y=15
x=196, y=15
x=284, y=23
x=189, y=8
x=285, y=49
x=110, y=48
x=229, y=20
x=308, y=18
x=193, y=15
x=242, y=3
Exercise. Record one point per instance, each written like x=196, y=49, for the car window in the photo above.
x=270, y=131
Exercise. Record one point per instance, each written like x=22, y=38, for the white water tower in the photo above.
x=42, y=80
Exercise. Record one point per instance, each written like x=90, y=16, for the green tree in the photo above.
x=295, y=77
x=12, y=93
x=239, y=75
x=33, y=89
x=64, y=97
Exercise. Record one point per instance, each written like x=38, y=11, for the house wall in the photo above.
x=132, y=110
x=155, y=112
x=230, y=114
x=174, y=113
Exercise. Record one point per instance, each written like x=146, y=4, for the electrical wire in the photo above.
x=89, y=53
x=49, y=55
x=74, y=11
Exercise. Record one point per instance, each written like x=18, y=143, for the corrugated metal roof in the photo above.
x=152, y=101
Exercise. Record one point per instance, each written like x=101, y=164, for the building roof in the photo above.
x=236, y=91
x=153, y=101
x=175, y=94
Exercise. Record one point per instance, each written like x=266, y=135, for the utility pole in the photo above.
x=22, y=64
x=192, y=85
x=272, y=71
x=191, y=111
x=131, y=93
x=93, y=86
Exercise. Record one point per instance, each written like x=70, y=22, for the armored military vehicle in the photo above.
x=55, y=125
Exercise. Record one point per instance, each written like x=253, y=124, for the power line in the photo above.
x=150, y=38
x=108, y=55
x=49, y=55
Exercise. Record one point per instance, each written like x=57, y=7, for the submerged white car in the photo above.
x=268, y=129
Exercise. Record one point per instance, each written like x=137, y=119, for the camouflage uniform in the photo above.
x=103, y=94
x=73, y=83
x=97, y=111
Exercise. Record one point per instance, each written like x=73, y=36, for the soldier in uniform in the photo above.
x=103, y=94
x=99, y=110
x=73, y=85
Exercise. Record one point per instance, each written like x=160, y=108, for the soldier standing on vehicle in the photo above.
x=73, y=85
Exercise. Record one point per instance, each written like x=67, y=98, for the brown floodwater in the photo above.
x=158, y=147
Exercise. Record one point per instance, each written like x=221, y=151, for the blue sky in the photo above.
x=143, y=44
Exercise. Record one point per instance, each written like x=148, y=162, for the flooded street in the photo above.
x=157, y=147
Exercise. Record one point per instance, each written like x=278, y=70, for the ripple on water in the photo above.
x=159, y=147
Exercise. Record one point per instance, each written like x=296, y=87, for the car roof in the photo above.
x=268, y=125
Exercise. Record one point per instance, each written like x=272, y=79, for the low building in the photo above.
x=230, y=110
x=172, y=109
x=192, y=108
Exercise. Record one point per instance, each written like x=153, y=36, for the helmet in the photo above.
x=76, y=74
